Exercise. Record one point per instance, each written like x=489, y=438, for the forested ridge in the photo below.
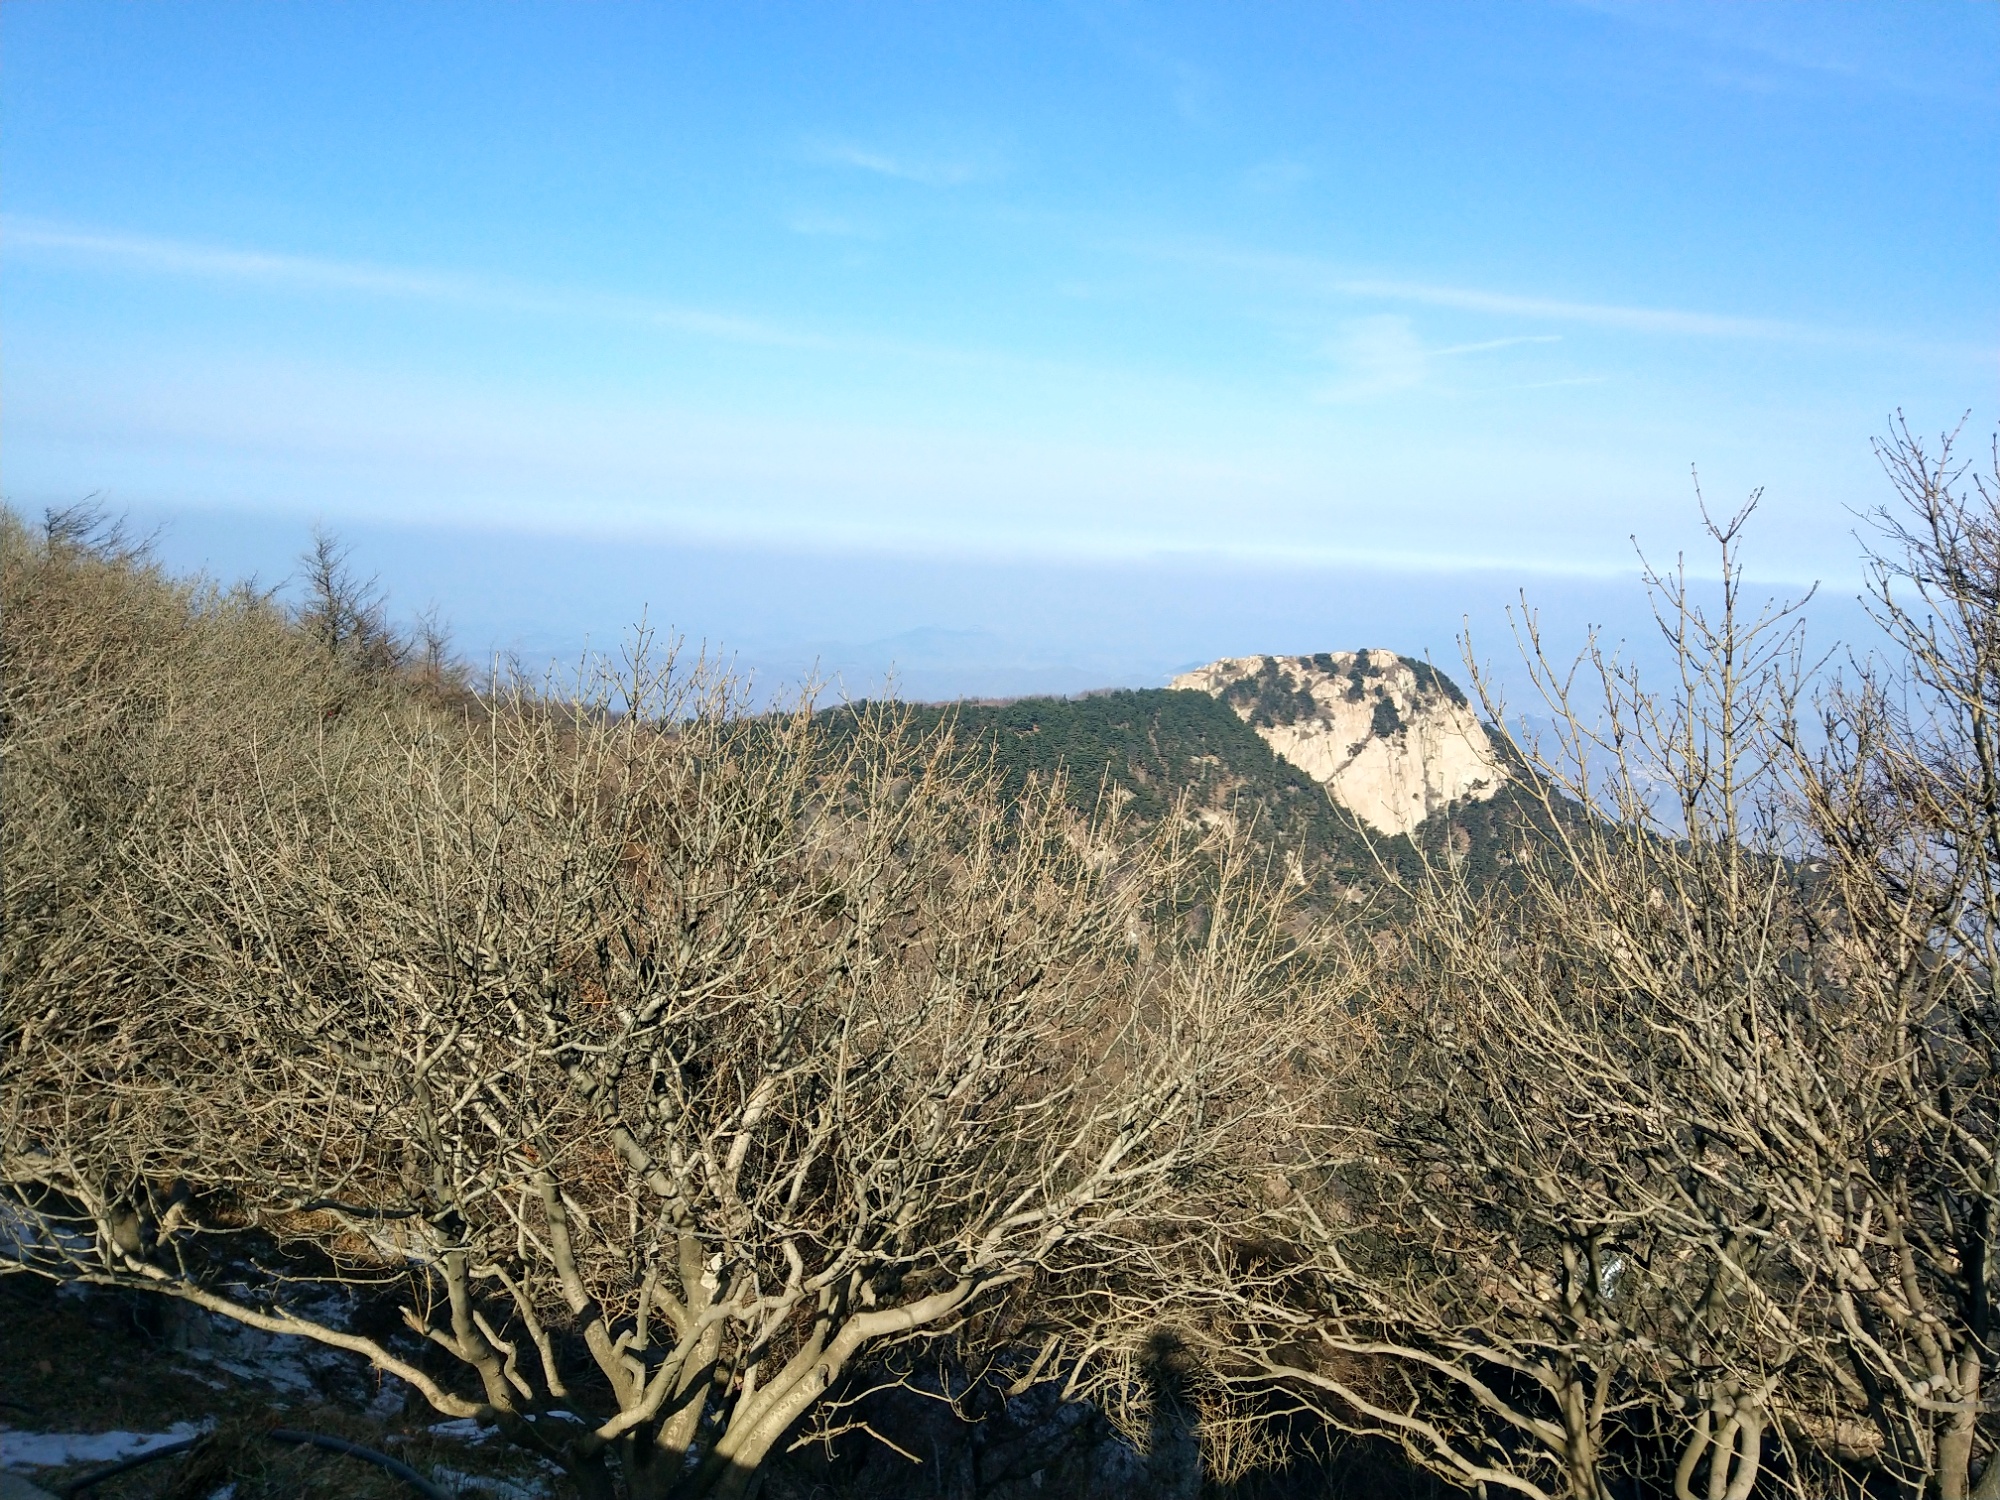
x=1151, y=749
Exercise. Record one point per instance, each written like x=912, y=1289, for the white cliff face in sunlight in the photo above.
x=1393, y=740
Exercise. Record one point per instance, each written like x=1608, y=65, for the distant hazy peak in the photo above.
x=1392, y=739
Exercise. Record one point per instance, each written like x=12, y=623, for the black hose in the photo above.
x=286, y=1435
x=111, y=1471
x=395, y=1466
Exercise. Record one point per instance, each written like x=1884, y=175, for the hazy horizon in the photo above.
x=942, y=627
x=1036, y=349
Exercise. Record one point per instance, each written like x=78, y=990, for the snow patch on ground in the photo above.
x=462, y=1430
x=285, y=1364
x=461, y=1483
x=26, y=1235
x=51, y=1450
x=388, y=1401
x=262, y=1359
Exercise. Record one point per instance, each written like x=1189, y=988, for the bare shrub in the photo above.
x=1676, y=1161
x=1901, y=790
x=668, y=1064
x=1509, y=1240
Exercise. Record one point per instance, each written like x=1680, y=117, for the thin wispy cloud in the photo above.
x=1383, y=354
x=1485, y=344
x=1309, y=275
x=180, y=257
x=831, y=226
x=1189, y=87
x=1378, y=356
x=148, y=253
x=1598, y=314
x=117, y=252
x=1753, y=49
x=925, y=170
x=1549, y=385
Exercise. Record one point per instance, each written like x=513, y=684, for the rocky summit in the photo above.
x=1393, y=740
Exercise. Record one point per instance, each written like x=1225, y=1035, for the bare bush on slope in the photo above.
x=1676, y=1164
x=666, y=1065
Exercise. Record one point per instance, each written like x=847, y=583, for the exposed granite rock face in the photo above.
x=1393, y=740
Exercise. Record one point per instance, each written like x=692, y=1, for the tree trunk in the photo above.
x=1580, y=1453
x=591, y=1476
x=1954, y=1449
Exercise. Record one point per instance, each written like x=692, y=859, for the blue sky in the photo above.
x=972, y=323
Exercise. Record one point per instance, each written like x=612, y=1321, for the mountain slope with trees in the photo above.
x=1149, y=749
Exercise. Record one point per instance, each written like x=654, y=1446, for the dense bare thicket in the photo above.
x=1500, y=1241
x=127, y=699
x=684, y=1070
x=670, y=1065
x=1673, y=1166
x=1904, y=801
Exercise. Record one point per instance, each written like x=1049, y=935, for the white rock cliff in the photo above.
x=1392, y=740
